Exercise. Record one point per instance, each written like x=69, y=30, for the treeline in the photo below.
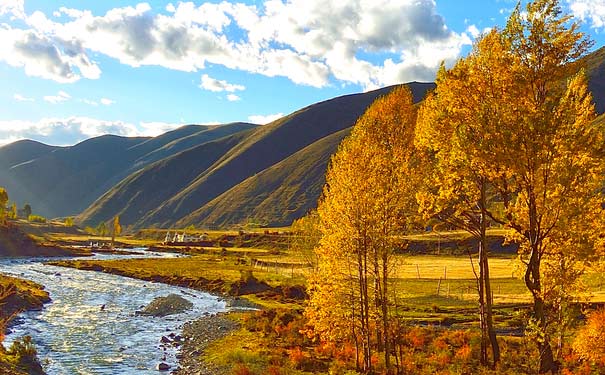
x=507, y=138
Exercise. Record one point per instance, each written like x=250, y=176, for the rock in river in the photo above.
x=162, y=306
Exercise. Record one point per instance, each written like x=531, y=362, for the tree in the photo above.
x=553, y=157
x=13, y=211
x=305, y=237
x=459, y=124
x=3, y=202
x=69, y=221
x=102, y=229
x=368, y=201
x=27, y=210
x=116, y=229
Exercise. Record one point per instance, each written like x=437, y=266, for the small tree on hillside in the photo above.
x=102, y=229
x=116, y=230
x=27, y=210
x=3, y=202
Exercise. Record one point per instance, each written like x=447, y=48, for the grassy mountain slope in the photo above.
x=595, y=69
x=277, y=195
x=265, y=147
x=148, y=188
x=68, y=179
x=190, y=139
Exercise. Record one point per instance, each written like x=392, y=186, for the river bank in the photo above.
x=197, y=336
x=18, y=295
x=17, y=243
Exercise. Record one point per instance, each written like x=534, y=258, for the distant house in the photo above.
x=183, y=238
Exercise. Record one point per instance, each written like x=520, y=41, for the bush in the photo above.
x=36, y=219
x=589, y=344
x=25, y=356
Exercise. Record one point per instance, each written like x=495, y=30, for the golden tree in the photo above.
x=116, y=229
x=3, y=202
x=460, y=123
x=553, y=158
x=367, y=201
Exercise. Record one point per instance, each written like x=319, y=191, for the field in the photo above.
x=433, y=280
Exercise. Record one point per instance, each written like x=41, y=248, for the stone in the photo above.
x=163, y=366
x=169, y=305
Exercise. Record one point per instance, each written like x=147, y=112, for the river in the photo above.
x=75, y=335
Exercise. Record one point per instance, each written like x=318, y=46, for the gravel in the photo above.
x=197, y=335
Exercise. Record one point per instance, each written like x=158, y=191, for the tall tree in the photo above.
x=553, y=156
x=115, y=230
x=459, y=123
x=368, y=200
x=27, y=210
x=3, y=202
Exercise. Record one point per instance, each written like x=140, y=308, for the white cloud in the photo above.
x=233, y=98
x=264, y=119
x=71, y=130
x=152, y=129
x=593, y=10
x=310, y=42
x=13, y=7
x=46, y=57
x=89, y=102
x=215, y=85
x=63, y=131
x=21, y=98
x=61, y=96
x=106, y=101
x=473, y=30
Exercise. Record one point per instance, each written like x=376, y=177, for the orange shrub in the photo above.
x=589, y=344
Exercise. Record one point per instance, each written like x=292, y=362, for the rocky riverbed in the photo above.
x=197, y=336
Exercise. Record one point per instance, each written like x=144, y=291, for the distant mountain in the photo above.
x=62, y=181
x=262, y=149
x=145, y=190
x=204, y=175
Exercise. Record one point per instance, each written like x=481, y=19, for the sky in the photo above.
x=76, y=69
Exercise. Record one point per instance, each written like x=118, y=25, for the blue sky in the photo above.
x=72, y=70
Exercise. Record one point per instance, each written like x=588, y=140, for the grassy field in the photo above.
x=433, y=287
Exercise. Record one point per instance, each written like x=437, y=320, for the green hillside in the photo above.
x=62, y=181
x=146, y=189
x=277, y=195
x=262, y=149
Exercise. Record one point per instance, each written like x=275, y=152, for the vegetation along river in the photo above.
x=75, y=334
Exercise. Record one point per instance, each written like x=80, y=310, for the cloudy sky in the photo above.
x=75, y=69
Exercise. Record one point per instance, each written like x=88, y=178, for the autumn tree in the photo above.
x=12, y=214
x=3, y=202
x=459, y=124
x=27, y=210
x=101, y=229
x=367, y=202
x=69, y=221
x=553, y=156
x=116, y=229
x=305, y=237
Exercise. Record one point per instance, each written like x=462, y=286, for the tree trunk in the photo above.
x=534, y=284
x=385, y=312
x=484, y=275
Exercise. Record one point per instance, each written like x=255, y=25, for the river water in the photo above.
x=74, y=335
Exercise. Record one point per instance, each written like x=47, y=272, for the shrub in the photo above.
x=589, y=344
x=36, y=219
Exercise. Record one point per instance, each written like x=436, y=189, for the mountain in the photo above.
x=63, y=181
x=148, y=188
x=204, y=175
x=594, y=64
x=258, y=153
x=276, y=196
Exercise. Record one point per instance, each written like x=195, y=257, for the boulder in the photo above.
x=169, y=305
